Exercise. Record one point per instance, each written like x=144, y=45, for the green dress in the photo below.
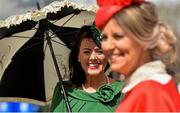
x=105, y=99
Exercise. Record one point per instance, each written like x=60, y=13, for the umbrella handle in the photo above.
x=58, y=73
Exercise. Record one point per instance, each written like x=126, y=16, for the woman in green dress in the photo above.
x=89, y=89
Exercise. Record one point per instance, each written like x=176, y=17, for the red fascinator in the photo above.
x=107, y=8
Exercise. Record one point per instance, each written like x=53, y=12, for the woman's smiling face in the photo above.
x=91, y=57
x=123, y=52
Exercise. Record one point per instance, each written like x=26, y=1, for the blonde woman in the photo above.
x=138, y=46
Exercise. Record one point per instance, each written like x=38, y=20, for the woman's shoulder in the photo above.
x=117, y=85
x=153, y=88
x=117, y=82
x=109, y=92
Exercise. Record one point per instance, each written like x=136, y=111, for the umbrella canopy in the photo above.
x=27, y=71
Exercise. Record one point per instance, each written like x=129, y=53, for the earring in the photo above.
x=78, y=60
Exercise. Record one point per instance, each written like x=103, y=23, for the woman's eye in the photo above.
x=87, y=52
x=100, y=52
x=104, y=38
x=118, y=36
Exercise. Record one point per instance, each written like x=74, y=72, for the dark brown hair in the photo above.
x=77, y=74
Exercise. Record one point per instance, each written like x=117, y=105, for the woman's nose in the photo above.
x=93, y=56
x=108, y=45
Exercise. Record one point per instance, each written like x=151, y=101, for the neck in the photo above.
x=93, y=82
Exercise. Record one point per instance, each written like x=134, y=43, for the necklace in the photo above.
x=92, y=89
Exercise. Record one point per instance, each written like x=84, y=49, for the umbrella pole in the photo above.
x=58, y=73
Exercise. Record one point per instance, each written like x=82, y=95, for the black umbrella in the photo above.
x=30, y=44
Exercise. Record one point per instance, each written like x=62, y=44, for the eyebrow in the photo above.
x=90, y=49
x=86, y=49
x=119, y=33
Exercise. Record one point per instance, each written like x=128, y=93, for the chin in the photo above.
x=115, y=68
x=93, y=72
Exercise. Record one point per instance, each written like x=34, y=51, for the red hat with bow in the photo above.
x=107, y=8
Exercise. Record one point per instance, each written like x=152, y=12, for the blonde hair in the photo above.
x=141, y=23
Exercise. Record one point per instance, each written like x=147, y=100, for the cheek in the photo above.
x=104, y=49
x=83, y=64
x=102, y=58
x=103, y=46
x=135, y=48
x=83, y=60
x=104, y=61
x=136, y=55
x=82, y=57
x=135, y=52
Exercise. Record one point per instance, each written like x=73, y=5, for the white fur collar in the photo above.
x=150, y=71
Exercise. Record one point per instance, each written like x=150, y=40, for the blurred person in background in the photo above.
x=138, y=46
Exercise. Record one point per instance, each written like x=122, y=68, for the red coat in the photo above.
x=150, y=89
x=151, y=96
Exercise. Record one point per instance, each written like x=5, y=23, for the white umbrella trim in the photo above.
x=37, y=15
